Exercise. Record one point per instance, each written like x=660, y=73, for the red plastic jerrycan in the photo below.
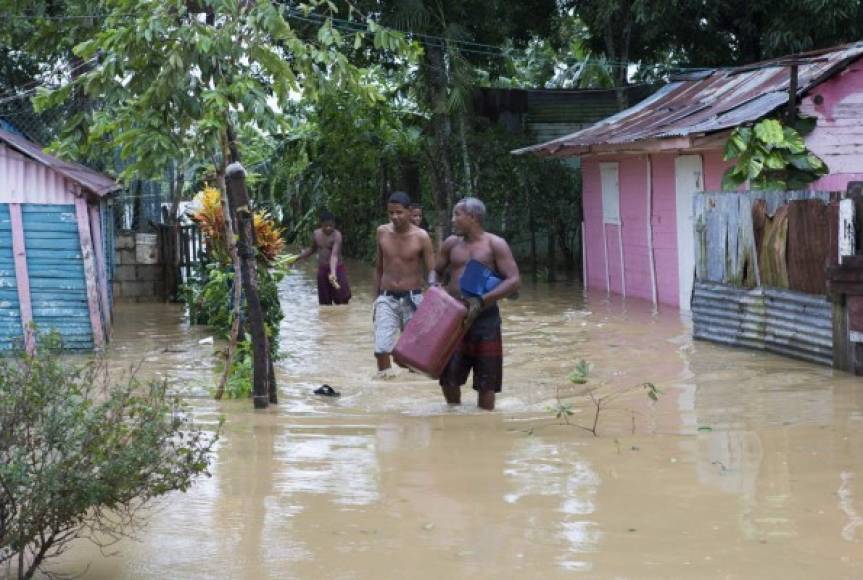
x=431, y=336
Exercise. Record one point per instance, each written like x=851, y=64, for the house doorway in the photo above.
x=688, y=178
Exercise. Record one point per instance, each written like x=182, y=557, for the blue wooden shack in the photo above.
x=56, y=248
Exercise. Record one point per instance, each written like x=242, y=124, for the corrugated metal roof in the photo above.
x=93, y=181
x=706, y=102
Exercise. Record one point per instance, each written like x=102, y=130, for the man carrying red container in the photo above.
x=482, y=271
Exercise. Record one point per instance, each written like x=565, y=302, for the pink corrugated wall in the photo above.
x=633, y=214
x=838, y=136
x=23, y=180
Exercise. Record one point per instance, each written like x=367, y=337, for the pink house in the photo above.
x=642, y=166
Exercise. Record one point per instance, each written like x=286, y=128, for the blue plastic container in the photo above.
x=477, y=279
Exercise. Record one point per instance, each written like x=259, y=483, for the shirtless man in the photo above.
x=481, y=349
x=404, y=253
x=333, y=286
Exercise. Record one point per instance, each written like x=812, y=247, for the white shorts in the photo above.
x=390, y=314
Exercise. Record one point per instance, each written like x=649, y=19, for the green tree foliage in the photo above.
x=696, y=33
x=526, y=195
x=340, y=156
x=172, y=76
x=81, y=457
x=455, y=35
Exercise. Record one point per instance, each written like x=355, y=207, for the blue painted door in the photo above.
x=56, y=268
x=11, y=331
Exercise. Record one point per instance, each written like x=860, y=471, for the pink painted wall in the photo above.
x=838, y=136
x=23, y=180
x=633, y=216
x=665, y=228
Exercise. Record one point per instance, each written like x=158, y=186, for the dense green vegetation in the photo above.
x=329, y=108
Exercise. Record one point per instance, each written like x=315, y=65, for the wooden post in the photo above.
x=605, y=253
x=22, y=276
x=583, y=260
x=91, y=277
x=622, y=264
x=792, y=93
x=96, y=231
x=651, y=257
x=238, y=198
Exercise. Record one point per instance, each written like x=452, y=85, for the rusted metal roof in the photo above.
x=704, y=103
x=90, y=180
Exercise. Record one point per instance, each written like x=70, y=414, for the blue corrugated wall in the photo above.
x=11, y=332
x=55, y=265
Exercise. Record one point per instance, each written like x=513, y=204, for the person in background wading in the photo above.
x=481, y=348
x=404, y=252
x=333, y=286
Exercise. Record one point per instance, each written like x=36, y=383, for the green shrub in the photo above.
x=80, y=456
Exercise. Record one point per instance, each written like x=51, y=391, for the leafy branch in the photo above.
x=772, y=156
x=564, y=410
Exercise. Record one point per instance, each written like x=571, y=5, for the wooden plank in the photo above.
x=60, y=255
x=43, y=227
x=90, y=275
x=19, y=251
x=700, y=208
x=57, y=284
x=809, y=245
x=841, y=345
x=98, y=247
x=64, y=208
x=717, y=234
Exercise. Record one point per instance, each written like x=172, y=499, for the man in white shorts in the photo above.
x=404, y=255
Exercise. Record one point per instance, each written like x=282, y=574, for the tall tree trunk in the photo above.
x=436, y=79
x=238, y=198
x=531, y=222
x=618, y=52
x=237, y=288
x=467, y=181
x=409, y=177
x=564, y=243
x=263, y=390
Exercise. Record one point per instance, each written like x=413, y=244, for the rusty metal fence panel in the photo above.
x=780, y=321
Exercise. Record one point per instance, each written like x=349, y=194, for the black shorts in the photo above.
x=480, y=351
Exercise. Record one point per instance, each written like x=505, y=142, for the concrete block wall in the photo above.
x=135, y=281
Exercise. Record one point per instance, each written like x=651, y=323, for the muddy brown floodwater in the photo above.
x=750, y=465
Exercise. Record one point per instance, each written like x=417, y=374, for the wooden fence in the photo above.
x=761, y=268
x=183, y=251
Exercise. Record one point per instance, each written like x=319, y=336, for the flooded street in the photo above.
x=750, y=465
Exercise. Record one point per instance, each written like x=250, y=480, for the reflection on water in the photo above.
x=748, y=466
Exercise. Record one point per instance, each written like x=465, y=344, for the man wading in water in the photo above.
x=481, y=349
x=333, y=285
x=404, y=253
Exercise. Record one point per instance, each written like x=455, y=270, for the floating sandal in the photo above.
x=327, y=391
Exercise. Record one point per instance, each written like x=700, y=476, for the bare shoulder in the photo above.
x=497, y=242
x=450, y=243
x=383, y=229
x=421, y=234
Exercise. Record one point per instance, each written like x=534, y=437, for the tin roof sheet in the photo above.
x=98, y=183
x=706, y=102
